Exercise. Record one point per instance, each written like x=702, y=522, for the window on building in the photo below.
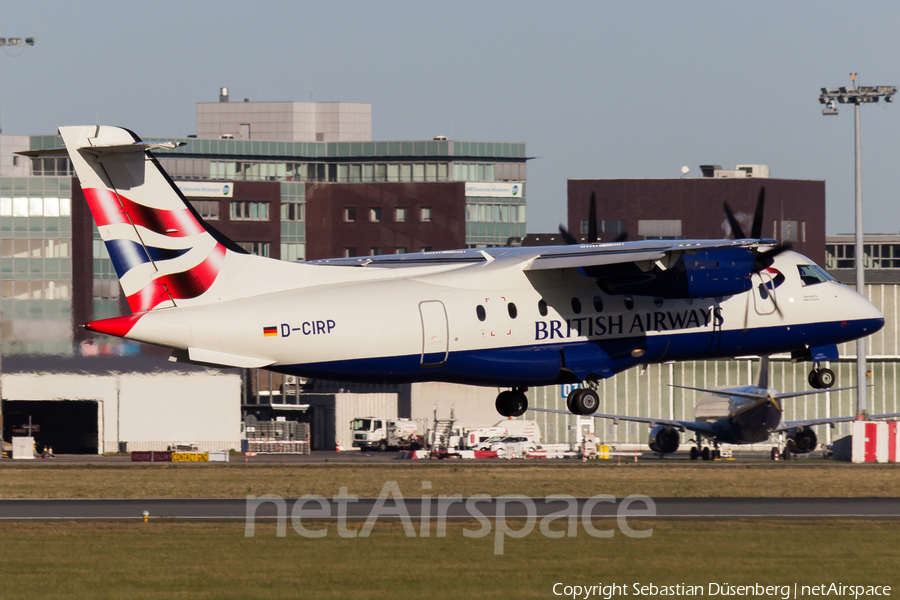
x=293, y=211
x=375, y=214
x=35, y=248
x=249, y=211
x=375, y=251
x=207, y=209
x=406, y=172
x=418, y=172
x=105, y=289
x=425, y=214
x=789, y=231
x=400, y=250
x=349, y=251
x=605, y=226
x=257, y=248
x=658, y=229
x=368, y=172
x=393, y=172
x=293, y=252
x=426, y=249
x=400, y=214
x=349, y=214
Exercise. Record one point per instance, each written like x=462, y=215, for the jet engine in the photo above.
x=803, y=441
x=664, y=439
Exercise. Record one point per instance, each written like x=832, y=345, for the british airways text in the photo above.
x=628, y=324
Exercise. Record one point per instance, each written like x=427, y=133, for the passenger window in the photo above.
x=479, y=310
x=629, y=302
x=598, y=304
x=576, y=306
x=513, y=312
x=542, y=308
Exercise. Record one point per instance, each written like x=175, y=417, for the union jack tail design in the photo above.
x=163, y=252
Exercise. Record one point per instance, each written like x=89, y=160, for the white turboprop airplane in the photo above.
x=747, y=414
x=505, y=317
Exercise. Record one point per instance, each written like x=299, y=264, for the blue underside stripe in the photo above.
x=540, y=364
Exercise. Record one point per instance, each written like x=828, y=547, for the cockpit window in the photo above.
x=813, y=274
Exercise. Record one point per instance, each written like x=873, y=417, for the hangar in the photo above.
x=84, y=406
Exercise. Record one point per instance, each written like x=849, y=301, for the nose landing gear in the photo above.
x=821, y=379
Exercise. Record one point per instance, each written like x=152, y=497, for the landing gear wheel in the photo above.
x=518, y=403
x=504, y=404
x=583, y=401
x=775, y=454
x=695, y=454
x=511, y=403
x=824, y=379
x=812, y=379
x=705, y=454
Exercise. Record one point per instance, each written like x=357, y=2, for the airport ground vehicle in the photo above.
x=381, y=434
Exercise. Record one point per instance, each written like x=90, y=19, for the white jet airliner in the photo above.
x=504, y=317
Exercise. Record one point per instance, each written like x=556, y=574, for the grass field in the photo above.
x=156, y=560
x=532, y=479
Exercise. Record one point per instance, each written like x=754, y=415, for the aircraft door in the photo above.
x=435, y=334
x=763, y=293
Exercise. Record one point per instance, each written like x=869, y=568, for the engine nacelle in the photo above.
x=664, y=439
x=704, y=274
x=803, y=441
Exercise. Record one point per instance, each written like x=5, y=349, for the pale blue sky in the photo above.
x=595, y=89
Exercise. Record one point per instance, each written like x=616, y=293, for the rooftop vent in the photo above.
x=223, y=94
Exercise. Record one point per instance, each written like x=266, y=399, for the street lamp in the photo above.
x=830, y=97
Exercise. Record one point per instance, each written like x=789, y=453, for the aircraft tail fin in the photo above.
x=763, y=373
x=162, y=250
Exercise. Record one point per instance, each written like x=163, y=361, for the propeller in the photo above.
x=592, y=236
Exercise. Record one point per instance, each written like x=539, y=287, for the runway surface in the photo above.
x=236, y=509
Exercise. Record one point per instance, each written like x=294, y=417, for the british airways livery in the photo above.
x=504, y=317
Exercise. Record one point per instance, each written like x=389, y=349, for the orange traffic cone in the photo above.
x=337, y=447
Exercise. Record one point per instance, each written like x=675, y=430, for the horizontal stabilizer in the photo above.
x=105, y=149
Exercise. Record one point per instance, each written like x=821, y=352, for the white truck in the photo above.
x=379, y=433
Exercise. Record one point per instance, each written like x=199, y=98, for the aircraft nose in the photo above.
x=867, y=313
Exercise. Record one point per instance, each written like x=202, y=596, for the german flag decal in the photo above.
x=270, y=331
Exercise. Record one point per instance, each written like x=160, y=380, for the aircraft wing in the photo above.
x=698, y=426
x=590, y=255
x=789, y=425
x=541, y=258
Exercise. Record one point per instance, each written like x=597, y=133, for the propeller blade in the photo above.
x=592, y=220
x=570, y=239
x=736, y=230
x=756, y=231
x=764, y=260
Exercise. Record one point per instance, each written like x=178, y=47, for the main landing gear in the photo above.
x=512, y=403
x=821, y=379
x=705, y=453
x=583, y=401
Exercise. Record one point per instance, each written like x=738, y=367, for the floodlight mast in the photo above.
x=14, y=41
x=856, y=96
